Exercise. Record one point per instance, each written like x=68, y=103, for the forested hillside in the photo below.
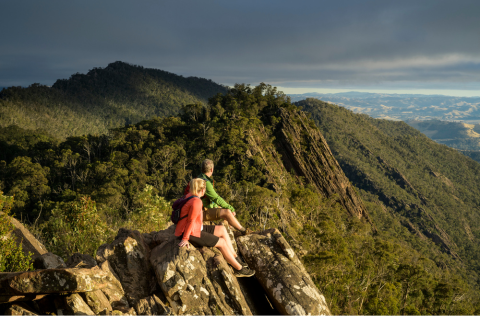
x=273, y=166
x=429, y=188
x=104, y=98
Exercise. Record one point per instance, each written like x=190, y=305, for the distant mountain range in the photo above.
x=104, y=98
x=403, y=107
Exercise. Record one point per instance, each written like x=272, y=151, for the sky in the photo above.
x=430, y=47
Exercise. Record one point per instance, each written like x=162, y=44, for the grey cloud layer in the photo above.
x=289, y=42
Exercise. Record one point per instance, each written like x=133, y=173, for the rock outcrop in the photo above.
x=48, y=261
x=128, y=255
x=282, y=274
x=28, y=241
x=148, y=274
x=304, y=150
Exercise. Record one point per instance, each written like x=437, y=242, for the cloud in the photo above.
x=275, y=41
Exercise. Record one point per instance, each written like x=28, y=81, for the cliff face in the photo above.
x=305, y=151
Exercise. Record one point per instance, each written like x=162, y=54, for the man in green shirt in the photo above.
x=214, y=207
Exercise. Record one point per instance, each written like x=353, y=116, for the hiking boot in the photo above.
x=247, y=231
x=244, y=273
x=242, y=263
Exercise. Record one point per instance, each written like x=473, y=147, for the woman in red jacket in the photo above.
x=192, y=230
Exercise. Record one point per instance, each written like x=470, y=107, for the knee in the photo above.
x=224, y=213
x=220, y=243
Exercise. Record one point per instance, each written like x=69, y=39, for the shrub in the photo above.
x=152, y=214
x=75, y=227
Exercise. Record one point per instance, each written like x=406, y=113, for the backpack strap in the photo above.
x=186, y=200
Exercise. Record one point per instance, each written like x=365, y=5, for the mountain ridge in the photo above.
x=104, y=98
x=127, y=176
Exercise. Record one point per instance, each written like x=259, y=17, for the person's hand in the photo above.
x=234, y=213
x=184, y=243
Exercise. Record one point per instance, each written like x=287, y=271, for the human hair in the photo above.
x=207, y=165
x=197, y=185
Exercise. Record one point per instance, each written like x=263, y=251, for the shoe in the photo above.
x=247, y=231
x=241, y=262
x=245, y=272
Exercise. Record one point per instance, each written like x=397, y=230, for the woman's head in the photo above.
x=197, y=187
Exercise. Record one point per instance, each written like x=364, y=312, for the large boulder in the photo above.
x=157, y=238
x=52, y=281
x=28, y=241
x=152, y=305
x=48, y=261
x=18, y=309
x=282, y=274
x=98, y=302
x=114, y=290
x=128, y=255
x=75, y=305
x=224, y=282
x=183, y=277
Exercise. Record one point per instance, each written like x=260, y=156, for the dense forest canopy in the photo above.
x=82, y=187
x=104, y=98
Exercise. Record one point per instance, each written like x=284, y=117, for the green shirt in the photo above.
x=211, y=199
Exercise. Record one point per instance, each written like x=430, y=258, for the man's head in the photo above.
x=207, y=166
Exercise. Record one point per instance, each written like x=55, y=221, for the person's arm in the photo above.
x=193, y=214
x=214, y=197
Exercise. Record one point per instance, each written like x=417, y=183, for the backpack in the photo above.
x=177, y=208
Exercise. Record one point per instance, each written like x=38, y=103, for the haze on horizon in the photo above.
x=423, y=47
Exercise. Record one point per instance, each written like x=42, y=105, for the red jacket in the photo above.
x=191, y=225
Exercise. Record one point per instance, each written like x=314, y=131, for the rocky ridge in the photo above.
x=148, y=274
x=305, y=151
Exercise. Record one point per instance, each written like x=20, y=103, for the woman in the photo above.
x=192, y=230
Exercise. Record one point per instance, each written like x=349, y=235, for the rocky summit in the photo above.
x=148, y=274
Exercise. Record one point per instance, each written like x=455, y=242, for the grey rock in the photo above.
x=282, y=274
x=16, y=309
x=183, y=278
x=52, y=281
x=28, y=241
x=48, y=261
x=97, y=301
x=78, y=260
x=128, y=255
x=225, y=283
x=75, y=305
x=114, y=290
x=152, y=305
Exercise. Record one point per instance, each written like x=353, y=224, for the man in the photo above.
x=214, y=207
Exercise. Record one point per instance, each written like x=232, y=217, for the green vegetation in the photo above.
x=12, y=257
x=420, y=193
x=78, y=226
x=117, y=95
x=132, y=172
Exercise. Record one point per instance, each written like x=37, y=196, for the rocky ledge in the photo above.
x=148, y=274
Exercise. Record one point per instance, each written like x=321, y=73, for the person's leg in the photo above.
x=215, y=214
x=221, y=231
x=227, y=253
x=232, y=220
